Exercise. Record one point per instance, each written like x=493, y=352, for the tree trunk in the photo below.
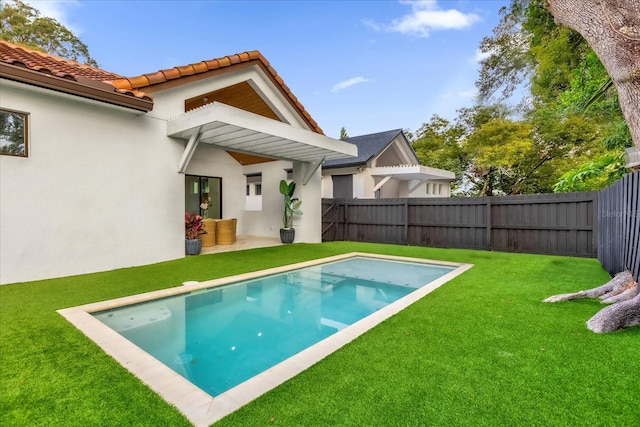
x=622, y=290
x=612, y=29
x=616, y=316
x=621, y=284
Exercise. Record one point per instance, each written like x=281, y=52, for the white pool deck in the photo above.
x=199, y=407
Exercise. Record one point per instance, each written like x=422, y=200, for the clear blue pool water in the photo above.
x=219, y=337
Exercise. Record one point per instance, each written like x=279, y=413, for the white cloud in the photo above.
x=427, y=16
x=56, y=9
x=347, y=83
x=480, y=56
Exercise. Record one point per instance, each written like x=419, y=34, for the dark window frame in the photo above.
x=25, y=133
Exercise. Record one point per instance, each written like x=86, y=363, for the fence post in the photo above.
x=595, y=238
x=406, y=222
x=488, y=216
x=345, y=227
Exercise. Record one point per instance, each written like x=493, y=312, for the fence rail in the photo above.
x=559, y=224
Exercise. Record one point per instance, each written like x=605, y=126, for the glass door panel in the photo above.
x=203, y=195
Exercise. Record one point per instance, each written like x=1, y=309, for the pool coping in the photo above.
x=201, y=408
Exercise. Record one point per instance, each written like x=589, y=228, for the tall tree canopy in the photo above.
x=612, y=29
x=22, y=24
x=569, y=118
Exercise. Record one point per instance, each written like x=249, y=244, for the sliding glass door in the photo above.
x=203, y=195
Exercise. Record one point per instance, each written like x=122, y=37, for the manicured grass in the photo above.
x=481, y=350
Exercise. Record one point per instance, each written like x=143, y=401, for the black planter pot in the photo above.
x=192, y=247
x=287, y=235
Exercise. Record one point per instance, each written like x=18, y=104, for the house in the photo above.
x=386, y=167
x=97, y=169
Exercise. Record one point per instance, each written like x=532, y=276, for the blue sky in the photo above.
x=369, y=66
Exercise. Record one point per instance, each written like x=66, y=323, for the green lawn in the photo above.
x=480, y=350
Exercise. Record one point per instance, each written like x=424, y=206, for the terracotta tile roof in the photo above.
x=49, y=65
x=173, y=74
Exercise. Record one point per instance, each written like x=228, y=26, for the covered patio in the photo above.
x=267, y=148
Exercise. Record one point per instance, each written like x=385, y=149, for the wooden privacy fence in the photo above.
x=619, y=226
x=558, y=224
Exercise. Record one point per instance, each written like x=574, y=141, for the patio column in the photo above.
x=309, y=225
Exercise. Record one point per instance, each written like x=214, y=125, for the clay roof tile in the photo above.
x=200, y=67
x=212, y=64
x=185, y=70
x=50, y=65
x=171, y=73
x=224, y=62
x=155, y=78
x=139, y=81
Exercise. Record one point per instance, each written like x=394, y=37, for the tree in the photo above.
x=343, y=133
x=567, y=84
x=438, y=144
x=23, y=24
x=611, y=28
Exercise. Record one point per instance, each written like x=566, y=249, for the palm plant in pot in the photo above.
x=291, y=207
x=192, y=227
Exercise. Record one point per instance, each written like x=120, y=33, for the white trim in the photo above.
x=189, y=150
x=311, y=170
x=413, y=172
x=381, y=183
x=238, y=130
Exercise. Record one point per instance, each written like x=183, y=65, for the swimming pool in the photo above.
x=236, y=338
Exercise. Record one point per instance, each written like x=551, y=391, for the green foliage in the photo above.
x=291, y=204
x=438, y=145
x=570, y=108
x=595, y=175
x=343, y=133
x=480, y=350
x=22, y=24
x=605, y=169
x=508, y=64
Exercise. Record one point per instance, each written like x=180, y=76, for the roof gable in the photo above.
x=369, y=146
x=171, y=77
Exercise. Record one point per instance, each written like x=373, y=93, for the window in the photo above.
x=14, y=135
x=203, y=195
x=253, y=201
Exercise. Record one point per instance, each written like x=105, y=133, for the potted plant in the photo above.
x=291, y=207
x=192, y=227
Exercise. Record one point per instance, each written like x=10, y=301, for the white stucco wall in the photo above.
x=98, y=190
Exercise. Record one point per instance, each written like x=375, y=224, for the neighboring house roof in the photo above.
x=369, y=146
x=26, y=65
